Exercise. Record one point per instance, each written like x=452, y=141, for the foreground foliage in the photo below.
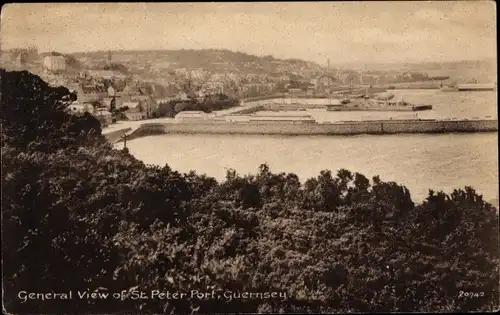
x=78, y=214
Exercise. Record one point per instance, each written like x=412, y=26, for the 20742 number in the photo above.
x=466, y=294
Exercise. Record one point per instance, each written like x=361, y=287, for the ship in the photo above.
x=469, y=87
x=476, y=87
x=384, y=102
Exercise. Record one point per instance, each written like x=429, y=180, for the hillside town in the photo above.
x=134, y=85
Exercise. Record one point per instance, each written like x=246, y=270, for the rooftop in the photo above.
x=281, y=114
x=282, y=118
x=130, y=104
x=191, y=112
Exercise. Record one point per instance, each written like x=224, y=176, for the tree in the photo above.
x=167, y=109
x=179, y=107
x=33, y=108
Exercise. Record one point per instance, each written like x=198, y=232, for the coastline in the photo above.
x=377, y=127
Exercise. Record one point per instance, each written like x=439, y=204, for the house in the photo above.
x=182, y=96
x=130, y=105
x=165, y=99
x=135, y=111
x=111, y=91
x=295, y=92
x=54, y=63
x=87, y=94
x=200, y=94
x=139, y=98
x=106, y=74
x=108, y=102
x=214, y=86
x=127, y=90
x=7, y=56
x=78, y=108
x=122, y=97
x=150, y=105
x=104, y=116
x=191, y=115
x=325, y=81
x=135, y=115
x=21, y=59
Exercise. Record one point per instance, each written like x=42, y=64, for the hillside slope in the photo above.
x=209, y=59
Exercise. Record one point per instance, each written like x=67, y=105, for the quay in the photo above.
x=378, y=127
x=246, y=119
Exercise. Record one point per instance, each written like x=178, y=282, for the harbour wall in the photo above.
x=114, y=136
x=341, y=128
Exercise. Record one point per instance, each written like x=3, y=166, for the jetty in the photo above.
x=298, y=127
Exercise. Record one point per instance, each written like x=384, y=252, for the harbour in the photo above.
x=451, y=113
x=444, y=160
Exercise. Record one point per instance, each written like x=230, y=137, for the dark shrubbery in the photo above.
x=80, y=215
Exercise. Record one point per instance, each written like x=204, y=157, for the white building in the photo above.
x=191, y=115
x=111, y=91
x=165, y=99
x=214, y=86
x=130, y=105
x=106, y=74
x=78, y=108
x=134, y=116
x=182, y=96
x=54, y=63
x=134, y=111
x=108, y=100
x=104, y=115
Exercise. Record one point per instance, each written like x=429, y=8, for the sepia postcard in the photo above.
x=268, y=157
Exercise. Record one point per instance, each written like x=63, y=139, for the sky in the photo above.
x=344, y=32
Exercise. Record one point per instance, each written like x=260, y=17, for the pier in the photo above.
x=378, y=127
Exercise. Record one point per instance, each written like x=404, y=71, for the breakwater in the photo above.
x=340, y=128
x=408, y=108
x=115, y=136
